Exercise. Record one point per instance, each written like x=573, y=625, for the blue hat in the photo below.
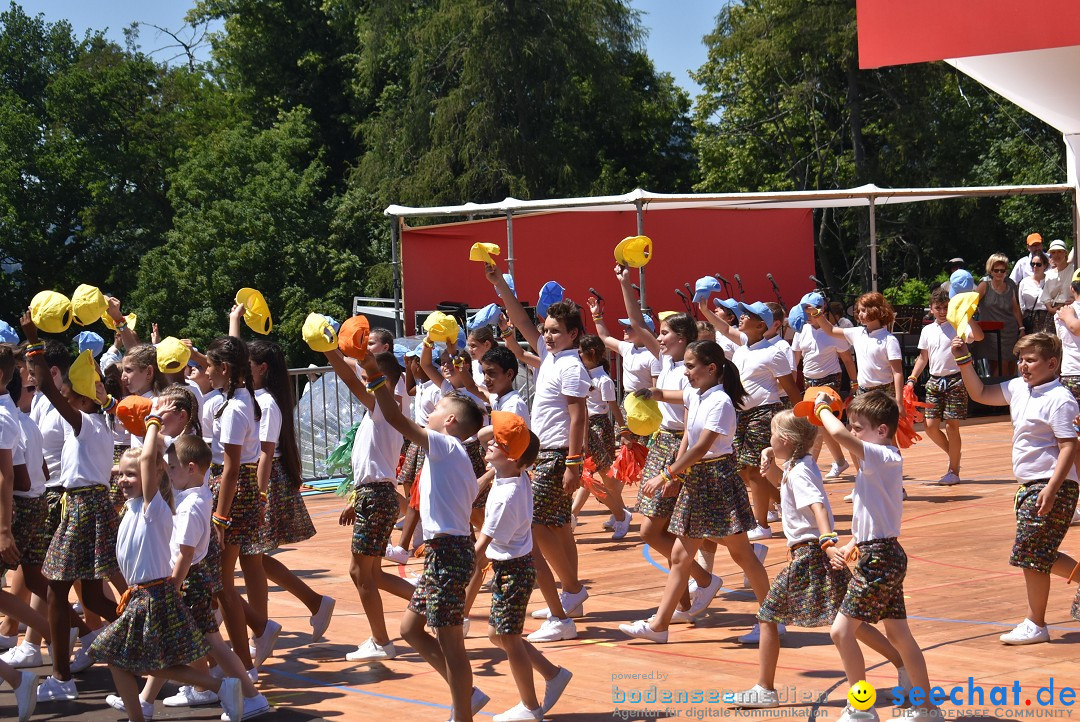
x=960, y=282
x=759, y=309
x=461, y=338
x=814, y=299
x=90, y=341
x=797, y=317
x=335, y=324
x=649, y=323
x=510, y=282
x=7, y=333
x=414, y=352
x=486, y=316
x=705, y=287
x=730, y=304
x=551, y=293
x=399, y=353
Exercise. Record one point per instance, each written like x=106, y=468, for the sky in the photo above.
x=674, y=43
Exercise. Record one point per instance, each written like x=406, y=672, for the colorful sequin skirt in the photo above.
x=410, y=465
x=376, y=507
x=84, y=545
x=440, y=593
x=1038, y=537
x=476, y=453
x=662, y=452
x=753, y=433
x=54, y=497
x=198, y=593
x=712, y=501
x=551, y=505
x=512, y=583
x=247, y=506
x=286, y=520
x=30, y=530
x=807, y=593
x=155, y=631
x=876, y=590
x=602, y=441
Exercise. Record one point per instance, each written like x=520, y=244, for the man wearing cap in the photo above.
x=1057, y=291
x=1022, y=269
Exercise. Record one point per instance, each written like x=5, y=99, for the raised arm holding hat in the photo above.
x=127, y=334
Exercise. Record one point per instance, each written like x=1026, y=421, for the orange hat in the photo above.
x=132, y=412
x=511, y=433
x=805, y=408
x=353, y=337
x=1034, y=238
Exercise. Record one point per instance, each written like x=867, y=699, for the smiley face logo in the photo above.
x=862, y=695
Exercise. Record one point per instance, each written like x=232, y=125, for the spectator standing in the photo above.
x=1022, y=268
x=998, y=301
x=1032, y=302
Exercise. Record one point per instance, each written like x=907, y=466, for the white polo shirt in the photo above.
x=211, y=402
x=1070, y=345
x=51, y=425
x=802, y=486
x=639, y=367
x=877, y=504
x=820, y=352
x=873, y=352
x=508, y=517
x=142, y=542
x=375, y=451
x=86, y=459
x=29, y=453
x=1040, y=416
x=511, y=401
x=191, y=523
x=428, y=394
x=447, y=487
x=759, y=366
x=710, y=410
x=560, y=375
x=602, y=391
x=936, y=339
x=672, y=378
x=270, y=422
x=237, y=425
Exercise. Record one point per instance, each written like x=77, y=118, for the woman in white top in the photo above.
x=1032, y=300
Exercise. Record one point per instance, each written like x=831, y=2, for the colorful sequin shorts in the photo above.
x=662, y=452
x=440, y=593
x=551, y=505
x=247, y=509
x=876, y=590
x=512, y=583
x=376, y=507
x=808, y=592
x=155, y=631
x=832, y=381
x=753, y=432
x=712, y=501
x=476, y=452
x=1072, y=383
x=198, y=594
x=948, y=398
x=84, y=545
x=888, y=389
x=30, y=530
x=602, y=441
x=286, y=520
x=1038, y=537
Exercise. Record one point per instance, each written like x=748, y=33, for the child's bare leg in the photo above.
x=18, y=589
x=408, y=528
x=281, y=575
x=682, y=556
x=952, y=432
x=933, y=430
x=900, y=636
x=473, y=589
x=869, y=635
x=457, y=670
x=545, y=581
x=580, y=497
x=232, y=609
x=364, y=571
x=128, y=688
x=565, y=536
x=613, y=500
x=742, y=553
x=1038, y=591
x=843, y=633
x=834, y=447
x=550, y=541
x=520, y=665
x=654, y=532
x=255, y=606
x=762, y=494
x=768, y=654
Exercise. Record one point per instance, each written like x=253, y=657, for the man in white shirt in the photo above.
x=1022, y=269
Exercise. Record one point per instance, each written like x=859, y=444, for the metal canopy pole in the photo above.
x=641, y=271
x=873, y=246
x=510, y=241
x=395, y=261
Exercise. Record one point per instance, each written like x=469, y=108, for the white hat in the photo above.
x=1057, y=245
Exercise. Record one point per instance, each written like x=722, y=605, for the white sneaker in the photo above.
x=621, y=528
x=554, y=687
x=25, y=655
x=837, y=469
x=478, y=702
x=641, y=630
x=554, y=630
x=701, y=598
x=520, y=713
x=757, y=697
x=761, y=532
x=231, y=695
x=264, y=643
x=320, y=620
x=949, y=479
x=572, y=604
x=754, y=635
x=82, y=660
x=851, y=495
x=117, y=703
x=609, y=524
x=25, y=695
x=53, y=690
x=760, y=551
x=679, y=616
x=774, y=514
x=188, y=696
x=253, y=707
x=850, y=714
x=1027, y=632
x=396, y=554
x=253, y=675
x=372, y=651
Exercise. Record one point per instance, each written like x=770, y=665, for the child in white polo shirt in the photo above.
x=1044, y=442
x=877, y=351
x=505, y=539
x=945, y=391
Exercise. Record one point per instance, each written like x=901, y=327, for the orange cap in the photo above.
x=132, y=412
x=1034, y=238
x=805, y=408
x=511, y=433
x=353, y=337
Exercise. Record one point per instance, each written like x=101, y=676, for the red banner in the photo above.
x=576, y=249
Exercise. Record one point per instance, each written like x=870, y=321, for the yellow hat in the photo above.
x=442, y=328
x=962, y=307
x=256, y=312
x=634, y=251
x=664, y=314
x=319, y=334
x=88, y=304
x=483, y=252
x=131, y=320
x=172, y=356
x=83, y=375
x=642, y=415
x=51, y=311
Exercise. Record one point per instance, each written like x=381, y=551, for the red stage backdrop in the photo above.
x=575, y=249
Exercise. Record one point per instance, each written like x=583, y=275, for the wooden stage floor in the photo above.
x=961, y=594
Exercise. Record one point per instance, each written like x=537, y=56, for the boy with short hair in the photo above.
x=505, y=538
x=876, y=591
x=945, y=391
x=1044, y=443
x=447, y=490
